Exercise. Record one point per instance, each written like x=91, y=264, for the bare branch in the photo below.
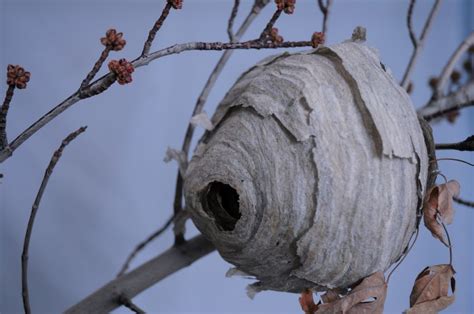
x=143, y=244
x=98, y=64
x=413, y=39
x=419, y=43
x=462, y=98
x=125, y=301
x=448, y=68
x=325, y=11
x=34, y=210
x=466, y=145
x=104, y=300
x=201, y=101
x=232, y=17
x=463, y=202
x=156, y=27
x=3, y=116
x=266, y=31
x=107, y=80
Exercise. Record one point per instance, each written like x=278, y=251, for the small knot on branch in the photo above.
x=287, y=6
x=467, y=66
x=433, y=83
x=113, y=40
x=455, y=76
x=17, y=76
x=471, y=49
x=123, y=70
x=317, y=39
x=275, y=37
x=176, y=4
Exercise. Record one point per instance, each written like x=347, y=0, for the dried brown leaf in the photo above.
x=439, y=200
x=307, y=302
x=431, y=306
x=330, y=296
x=367, y=297
x=431, y=289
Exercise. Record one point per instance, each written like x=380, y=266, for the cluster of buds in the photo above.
x=122, y=69
x=113, y=40
x=275, y=37
x=317, y=39
x=17, y=76
x=287, y=6
x=176, y=4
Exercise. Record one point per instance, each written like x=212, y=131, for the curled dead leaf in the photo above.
x=430, y=292
x=367, y=297
x=439, y=201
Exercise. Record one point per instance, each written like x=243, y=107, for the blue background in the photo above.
x=111, y=188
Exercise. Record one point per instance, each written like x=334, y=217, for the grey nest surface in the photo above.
x=314, y=171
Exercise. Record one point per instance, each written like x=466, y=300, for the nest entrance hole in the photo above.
x=221, y=201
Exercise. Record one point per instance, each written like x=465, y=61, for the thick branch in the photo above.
x=34, y=210
x=419, y=43
x=466, y=145
x=462, y=98
x=105, y=299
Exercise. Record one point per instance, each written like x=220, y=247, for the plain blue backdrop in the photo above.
x=111, y=188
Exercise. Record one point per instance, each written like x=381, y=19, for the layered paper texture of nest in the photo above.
x=313, y=172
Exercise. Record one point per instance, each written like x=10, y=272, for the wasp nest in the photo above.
x=314, y=171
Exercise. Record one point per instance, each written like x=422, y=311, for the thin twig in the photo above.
x=3, y=116
x=325, y=10
x=103, y=83
x=405, y=254
x=34, y=210
x=448, y=68
x=143, y=244
x=127, y=302
x=463, y=202
x=466, y=145
x=104, y=300
x=156, y=27
x=98, y=64
x=456, y=159
x=411, y=32
x=419, y=44
x=440, y=218
x=232, y=17
x=201, y=101
x=266, y=31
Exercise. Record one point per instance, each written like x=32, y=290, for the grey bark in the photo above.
x=106, y=298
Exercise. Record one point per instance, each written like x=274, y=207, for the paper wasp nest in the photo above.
x=314, y=171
